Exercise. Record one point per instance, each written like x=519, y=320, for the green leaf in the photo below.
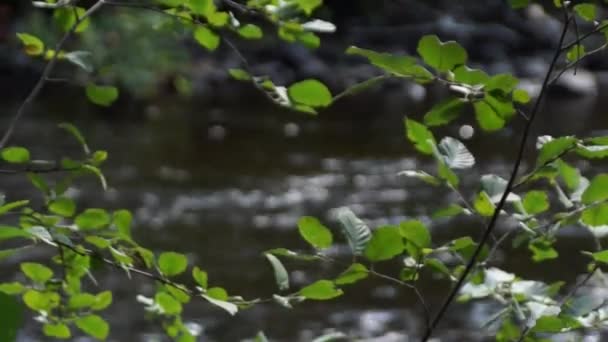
x=444, y=112
x=449, y=211
x=15, y=155
x=420, y=136
x=201, y=7
x=36, y=272
x=517, y=4
x=484, y=205
x=12, y=288
x=415, y=232
x=200, y=277
x=94, y=326
x=356, y=231
x=321, y=290
x=386, y=243
x=570, y=175
x=503, y=83
x=97, y=172
x=81, y=300
x=521, y=96
x=206, y=38
x=101, y=95
x=554, y=149
x=314, y=232
x=250, y=31
x=40, y=301
x=280, y=273
x=7, y=232
x=63, y=206
x=75, y=132
x=404, y=66
x=168, y=304
x=102, y=300
x=601, y=256
x=352, y=274
x=12, y=205
x=217, y=293
x=122, y=220
x=171, y=263
x=32, y=44
x=11, y=317
x=542, y=250
x=455, y=154
x=92, y=219
x=310, y=93
x=421, y=175
x=441, y=56
x=308, y=6
x=239, y=74
x=57, y=330
x=292, y=255
x=231, y=308
x=575, y=53
x=536, y=202
x=67, y=17
x=597, y=189
x=487, y=117
x=471, y=77
x=595, y=216
x=586, y=11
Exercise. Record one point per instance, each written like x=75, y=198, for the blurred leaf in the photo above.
x=357, y=232
x=94, y=326
x=57, y=330
x=554, y=149
x=439, y=55
x=586, y=11
x=444, y=112
x=227, y=306
x=171, y=263
x=92, y=218
x=38, y=273
x=484, y=205
x=280, y=273
x=420, y=136
x=386, y=243
x=8, y=232
x=321, y=290
x=63, y=206
x=101, y=95
x=200, y=277
x=455, y=154
x=206, y=38
x=250, y=31
x=168, y=304
x=315, y=233
x=122, y=220
x=15, y=155
x=415, y=232
x=33, y=45
x=536, y=202
x=352, y=274
x=11, y=317
x=597, y=189
x=310, y=93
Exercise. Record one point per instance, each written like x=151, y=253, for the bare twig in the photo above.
x=46, y=73
x=494, y=219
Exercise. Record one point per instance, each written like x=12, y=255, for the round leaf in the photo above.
x=15, y=155
x=386, y=243
x=321, y=290
x=310, y=93
x=101, y=95
x=171, y=263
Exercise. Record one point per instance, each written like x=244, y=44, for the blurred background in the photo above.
x=212, y=169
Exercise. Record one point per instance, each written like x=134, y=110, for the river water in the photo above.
x=224, y=184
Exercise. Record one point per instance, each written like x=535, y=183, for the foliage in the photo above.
x=86, y=238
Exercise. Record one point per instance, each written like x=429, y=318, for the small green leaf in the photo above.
x=439, y=55
x=521, y=96
x=231, y=308
x=250, y=31
x=310, y=93
x=94, y=326
x=554, y=149
x=586, y=11
x=168, y=304
x=575, y=53
x=386, y=243
x=217, y=293
x=40, y=301
x=484, y=205
x=122, y=220
x=12, y=288
x=314, y=232
x=81, y=300
x=57, y=330
x=597, y=189
x=280, y=273
x=321, y=290
x=36, y=272
x=7, y=232
x=92, y=219
x=101, y=95
x=595, y=216
x=601, y=256
x=15, y=155
x=239, y=74
x=75, y=132
x=415, y=232
x=487, y=117
x=444, y=112
x=542, y=250
x=200, y=277
x=63, y=206
x=102, y=300
x=404, y=66
x=503, y=83
x=33, y=45
x=536, y=202
x=420, y=135
x=171, y=263
x=206, y=38
x=352, y=274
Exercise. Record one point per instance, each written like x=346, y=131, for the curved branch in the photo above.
x=45, y=73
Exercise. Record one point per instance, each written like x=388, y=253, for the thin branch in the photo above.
x=494, y=219
x=46, y=73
